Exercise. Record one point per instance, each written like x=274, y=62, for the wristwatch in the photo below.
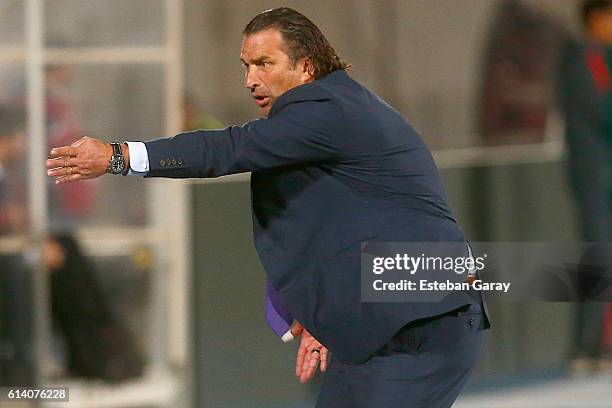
x=117, y=164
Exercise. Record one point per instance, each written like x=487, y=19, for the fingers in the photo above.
x=324, y=359
x=63, y=151
x=310, y=354
x=302, y=350
x=69, y=178
x=87, y=157
x=64, y=171
x=309, y=367
x=308, y=360
x=63, y=165
x=62, y=161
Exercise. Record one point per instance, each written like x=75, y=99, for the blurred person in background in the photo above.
x=517, y=89
x=16, y=316
x=585, y=85
x=97, y=345
x=195, y=118
x=332, y=165
x=17, y=356
x=69, y=204
x=13, y=216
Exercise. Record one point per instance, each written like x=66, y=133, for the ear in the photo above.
x=307, y=70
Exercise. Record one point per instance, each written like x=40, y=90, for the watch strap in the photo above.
x=126, y=165
x=116, y=149
x=118, y=153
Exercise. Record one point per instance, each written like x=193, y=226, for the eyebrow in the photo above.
x=256, y=60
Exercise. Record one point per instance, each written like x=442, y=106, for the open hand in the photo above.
x=310, y=354
x=86, y=158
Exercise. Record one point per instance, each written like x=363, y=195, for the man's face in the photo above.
x=600, y=26
x=269, y=70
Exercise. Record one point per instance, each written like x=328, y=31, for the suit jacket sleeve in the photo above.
x=298, y=131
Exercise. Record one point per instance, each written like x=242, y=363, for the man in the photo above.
x=16, y=314
x=332, y=166
x=13, y=216
x=585, y=85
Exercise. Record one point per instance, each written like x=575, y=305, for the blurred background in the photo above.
x=148, y=293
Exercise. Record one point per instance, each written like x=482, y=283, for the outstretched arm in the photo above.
x=300, y=133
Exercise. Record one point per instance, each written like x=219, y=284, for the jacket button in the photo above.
x=173, y=162
x=180, y=161
x=162, y=162
x=471, y=322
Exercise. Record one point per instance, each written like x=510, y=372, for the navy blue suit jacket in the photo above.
x=332, y=165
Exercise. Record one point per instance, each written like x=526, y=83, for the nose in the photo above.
x=250, y=79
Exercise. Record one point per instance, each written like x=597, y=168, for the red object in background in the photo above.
x=599, y=71
x=77, y=198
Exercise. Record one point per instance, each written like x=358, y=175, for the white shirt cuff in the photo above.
x=139, y=159
x=287, y=337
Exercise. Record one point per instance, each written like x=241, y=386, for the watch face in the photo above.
x=117, y=165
